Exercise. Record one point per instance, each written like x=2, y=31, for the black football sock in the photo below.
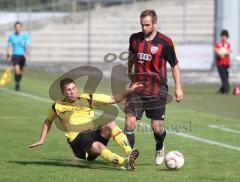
x=131, y=137
x=20, y=78
x=159, y=140
x=17, y=78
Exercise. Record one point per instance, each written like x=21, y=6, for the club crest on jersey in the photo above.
x=154, y=49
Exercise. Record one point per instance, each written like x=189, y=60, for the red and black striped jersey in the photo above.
x=149, y=59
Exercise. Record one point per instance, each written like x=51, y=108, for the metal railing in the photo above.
x=75, y=11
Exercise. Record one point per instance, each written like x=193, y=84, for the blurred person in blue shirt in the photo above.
x=18, y=48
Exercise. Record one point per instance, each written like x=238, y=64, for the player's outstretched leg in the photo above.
x=109, y=156
x=121, y=139
x=118, y=136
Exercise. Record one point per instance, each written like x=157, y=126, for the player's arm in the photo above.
x=117, y=98
x=132, y=88
x=221, y=55
x=28, y=49
x=130, y=65
x=170, y=56
x=28, y=46
x=131, y=59
x=178, y=86
x=9, y=49
x=216, y=50
x=45, y=129
x=9, y=52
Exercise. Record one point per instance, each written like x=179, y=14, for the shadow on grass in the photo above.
x=167, y=170
x=70, y=163
x=144, y=164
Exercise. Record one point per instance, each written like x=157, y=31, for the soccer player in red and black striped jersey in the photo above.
x=150, y=51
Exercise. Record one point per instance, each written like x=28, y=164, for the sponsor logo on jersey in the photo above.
x=144, y=57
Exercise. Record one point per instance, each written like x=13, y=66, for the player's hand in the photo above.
x=38, y=143
x=9, y=57
x=135, y=86
x=179, y=94
x=26, y=55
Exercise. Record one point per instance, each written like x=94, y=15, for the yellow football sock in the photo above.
x=107, y=155
x=120, y=138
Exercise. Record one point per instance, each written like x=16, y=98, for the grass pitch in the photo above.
x=205, y=127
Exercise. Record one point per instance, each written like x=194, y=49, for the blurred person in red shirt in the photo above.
x=223, y=50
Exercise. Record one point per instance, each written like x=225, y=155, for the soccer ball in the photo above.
x=174, y=160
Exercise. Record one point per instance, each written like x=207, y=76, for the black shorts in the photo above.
x=18, y=60
x=83, y=143
x=154, y=106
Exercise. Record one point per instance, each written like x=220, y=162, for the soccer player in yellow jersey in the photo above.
x=78, y=110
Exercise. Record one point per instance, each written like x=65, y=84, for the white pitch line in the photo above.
x=18, y=117
x=224, y=129
x=14, y=117
x=184, y=135
x=206, y=141
x=195, y=138
x=27, y=95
